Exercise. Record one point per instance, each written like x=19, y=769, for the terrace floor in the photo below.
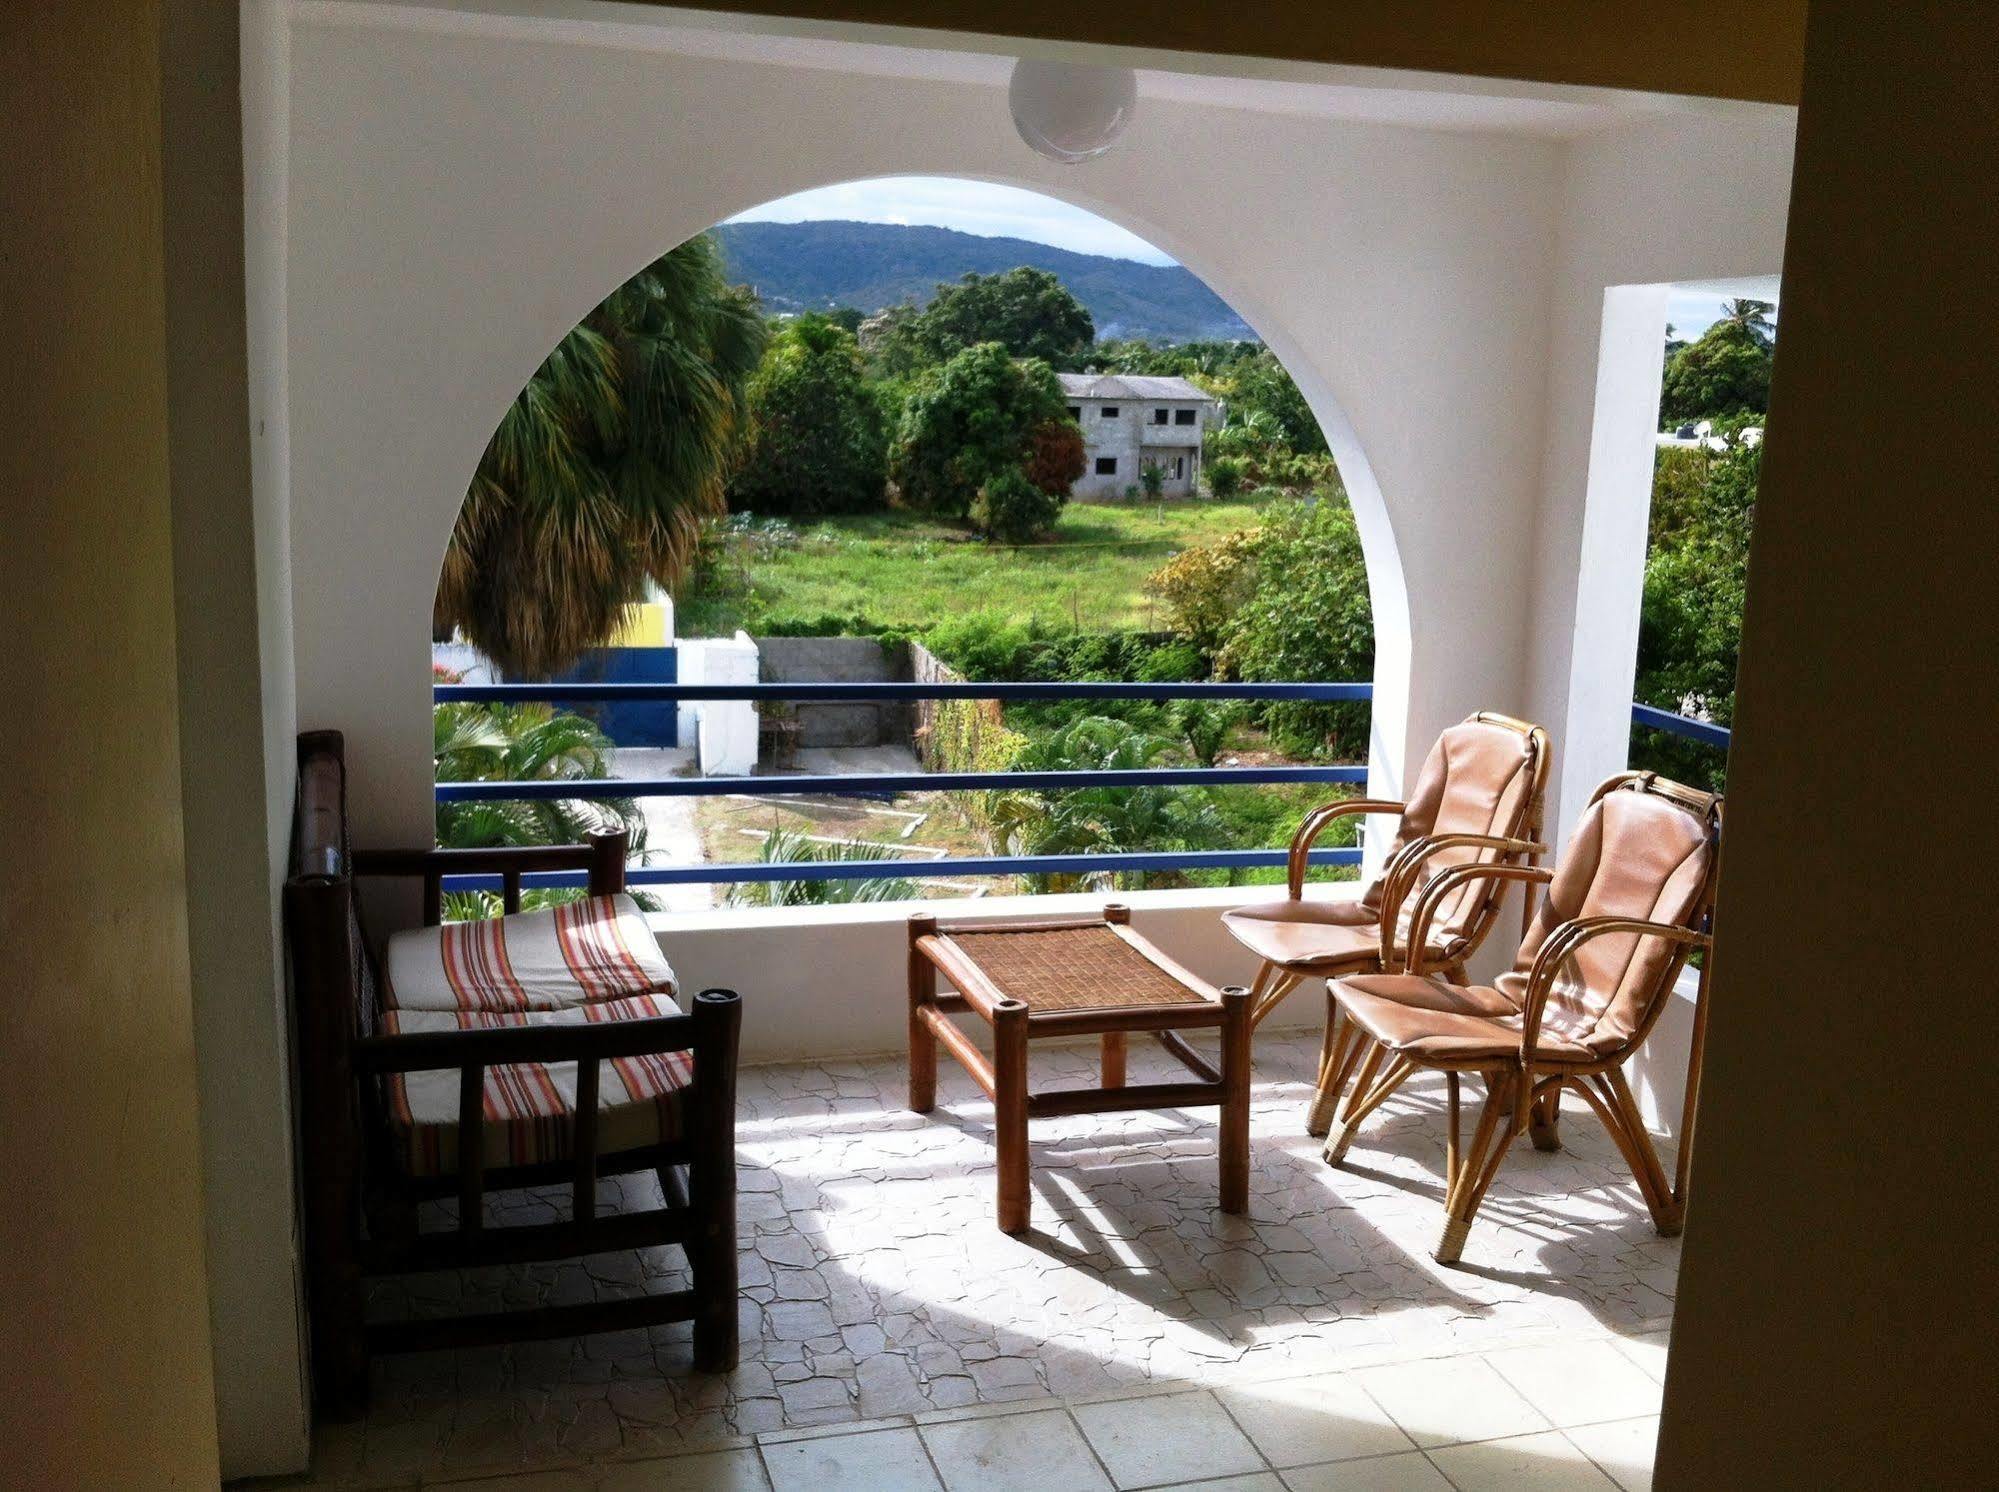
x=892, y=1337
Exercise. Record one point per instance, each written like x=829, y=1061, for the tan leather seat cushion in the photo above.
x=1444, y=1022
x=1301, y=934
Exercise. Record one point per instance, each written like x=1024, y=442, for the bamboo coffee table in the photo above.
x=1090, y=976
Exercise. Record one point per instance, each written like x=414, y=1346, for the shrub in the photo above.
x=1152, y=477
x=1284, y=601
x=1206, y=727
x=1225, y=476
x=1012, y=510
x=1204, y=588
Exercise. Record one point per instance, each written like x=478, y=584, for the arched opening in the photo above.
x=809, y=483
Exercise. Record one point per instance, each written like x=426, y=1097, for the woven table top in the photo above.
x=1073, y=968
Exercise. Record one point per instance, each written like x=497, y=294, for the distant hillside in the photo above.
x=816, y=266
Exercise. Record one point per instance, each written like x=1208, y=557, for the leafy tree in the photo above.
x=1055, y=456
x=1012, y=510
x=1690, y=627
x=1027, y=311
x=975, y=418
x=892, y=343
x=597, y=479
x=1263, y=384
x=1284, y=602
x=847, y=318
x=815, y=441
x=1727, y=372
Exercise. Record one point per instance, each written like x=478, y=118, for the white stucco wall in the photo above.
x=457, y=202
x=1687, y=198
x=434, y=201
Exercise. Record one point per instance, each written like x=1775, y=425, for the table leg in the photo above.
x=1010, y=1112
x=922, y=1042
x=1236, y=1029
x=1113, y=1063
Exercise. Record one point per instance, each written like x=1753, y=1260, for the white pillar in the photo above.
x=1595, y=737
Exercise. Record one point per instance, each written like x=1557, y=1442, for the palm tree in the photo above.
x=524, y=743
x=601, y=471
x=1753, y=316
x=1089, y=821
x=783, y=846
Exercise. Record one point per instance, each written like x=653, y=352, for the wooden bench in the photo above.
x=364, y=1134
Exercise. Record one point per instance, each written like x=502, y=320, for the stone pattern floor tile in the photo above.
x=876, y=1288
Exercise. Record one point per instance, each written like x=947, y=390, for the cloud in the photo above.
x=980, y=207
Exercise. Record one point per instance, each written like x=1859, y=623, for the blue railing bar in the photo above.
x=1681, y=725
x=884, y=870
x=878, y=784
x=861, y=692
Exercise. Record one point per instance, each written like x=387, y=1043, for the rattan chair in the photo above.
x=1630, y=901
x=1477, y=800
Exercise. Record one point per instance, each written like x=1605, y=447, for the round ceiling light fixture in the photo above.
x=1070, y=111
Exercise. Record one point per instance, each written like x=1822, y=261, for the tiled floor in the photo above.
x=1137, y=1338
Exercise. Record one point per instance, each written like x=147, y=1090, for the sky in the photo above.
x=995, y=211
x=1689, y=313
x=979, y=207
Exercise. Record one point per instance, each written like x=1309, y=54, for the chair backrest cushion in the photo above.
x=1638, y=854
x=1479, y=778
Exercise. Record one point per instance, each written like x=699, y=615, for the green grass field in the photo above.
x=905, y=570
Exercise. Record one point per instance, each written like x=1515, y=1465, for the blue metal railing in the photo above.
x=1704, y=731
x=877, y=784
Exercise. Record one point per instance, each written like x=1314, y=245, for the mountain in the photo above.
x=817, y=266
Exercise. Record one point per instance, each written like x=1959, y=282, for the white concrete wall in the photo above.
x=1686, y=198
x=433, y=200
x=824, y=981
x=1131, y=437
x=458, y=201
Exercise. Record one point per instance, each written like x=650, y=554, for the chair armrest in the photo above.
x=1400, y=877
x=1561, y=947
x=1442, y=885
x=1316, y=823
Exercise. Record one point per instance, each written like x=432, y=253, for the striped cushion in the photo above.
x=530, y=1106
x=574, y=954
